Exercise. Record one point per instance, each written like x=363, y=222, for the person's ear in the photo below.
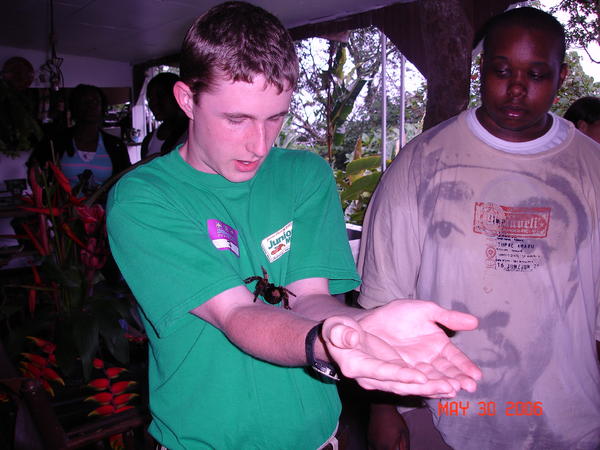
x=564, y=71
x=185, y=98
x=582, y=126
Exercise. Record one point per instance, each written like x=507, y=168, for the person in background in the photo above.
x=172, y=130
x=232, y=252
x=85, y=148
x=585, y=114
x=495, y=212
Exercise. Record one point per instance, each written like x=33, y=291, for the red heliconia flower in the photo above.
x=102, y=397
x=99, y=384
x=121, y=386
x=31, y=369
x=116, y=442
x=47, y=387
x=92, y=217
x=50, y=374
x=104, y=410
x=62, y=180
x=114, y=372
x=123, y=398
x=123, y=408
x=46, y=346
x=98, y=363
x=40, y=361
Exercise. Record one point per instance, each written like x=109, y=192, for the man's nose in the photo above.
x=257, y=142
x=517, y=85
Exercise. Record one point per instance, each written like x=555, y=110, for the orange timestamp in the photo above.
x=460, y=408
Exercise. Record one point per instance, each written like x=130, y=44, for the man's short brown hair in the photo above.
x=237, y=41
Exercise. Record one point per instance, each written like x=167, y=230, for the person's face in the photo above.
x=591, y=129
x=233, y=126
x=521, y=71
x=89, y=108
x=162, y=103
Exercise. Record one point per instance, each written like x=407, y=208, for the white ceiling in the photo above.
x=139, y=30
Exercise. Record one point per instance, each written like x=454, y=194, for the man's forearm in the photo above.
x=321, y=306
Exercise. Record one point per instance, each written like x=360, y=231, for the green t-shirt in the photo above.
x=180, y=237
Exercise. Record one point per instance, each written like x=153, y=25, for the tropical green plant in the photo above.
x=357, y=183
x=19, y=131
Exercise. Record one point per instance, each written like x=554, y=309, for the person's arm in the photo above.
x=378, y=348
x=387, y=429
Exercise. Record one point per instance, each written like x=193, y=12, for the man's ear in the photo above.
x=185, y=98
x=582, y=126
x=564, y=71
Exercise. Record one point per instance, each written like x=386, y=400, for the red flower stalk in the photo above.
x=61, y=178
x=32, y=297
x=38, y=367
x=47, y=211
x=31, y=301
x=36, y=189
x=35, y=241
x=113, y=399
x=67, y=229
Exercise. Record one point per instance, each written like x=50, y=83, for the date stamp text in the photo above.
x=460, y=408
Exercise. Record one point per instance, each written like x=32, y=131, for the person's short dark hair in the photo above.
x=526, y=17
x=163, y=81
x=585, y=108
x=80, y=90
x=237, y=41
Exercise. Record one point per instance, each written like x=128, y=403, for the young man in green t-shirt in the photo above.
x=203, y=234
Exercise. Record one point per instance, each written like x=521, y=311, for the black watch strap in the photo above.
x=323, y=368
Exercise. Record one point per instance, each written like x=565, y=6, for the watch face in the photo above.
x=325, y=369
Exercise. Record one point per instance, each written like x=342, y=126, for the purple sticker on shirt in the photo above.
x=223, y=236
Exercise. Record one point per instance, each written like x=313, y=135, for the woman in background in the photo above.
x=85, y=146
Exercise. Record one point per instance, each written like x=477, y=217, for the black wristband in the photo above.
x=321, y=367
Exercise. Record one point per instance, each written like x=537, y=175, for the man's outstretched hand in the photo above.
x=399, y=348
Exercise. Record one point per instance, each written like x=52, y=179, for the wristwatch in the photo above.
x=323, y=368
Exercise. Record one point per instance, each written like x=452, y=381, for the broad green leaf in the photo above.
x=363, y=184
x=361, y=164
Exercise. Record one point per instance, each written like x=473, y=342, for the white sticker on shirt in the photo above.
x=278, y=243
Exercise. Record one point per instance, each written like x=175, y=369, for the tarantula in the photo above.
x=271, y=293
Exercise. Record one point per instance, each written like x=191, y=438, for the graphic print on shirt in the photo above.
x=223, y=236
x=277, y=244
x=511, y=232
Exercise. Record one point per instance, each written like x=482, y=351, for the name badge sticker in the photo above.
x=223, y=236
x=278, y=243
